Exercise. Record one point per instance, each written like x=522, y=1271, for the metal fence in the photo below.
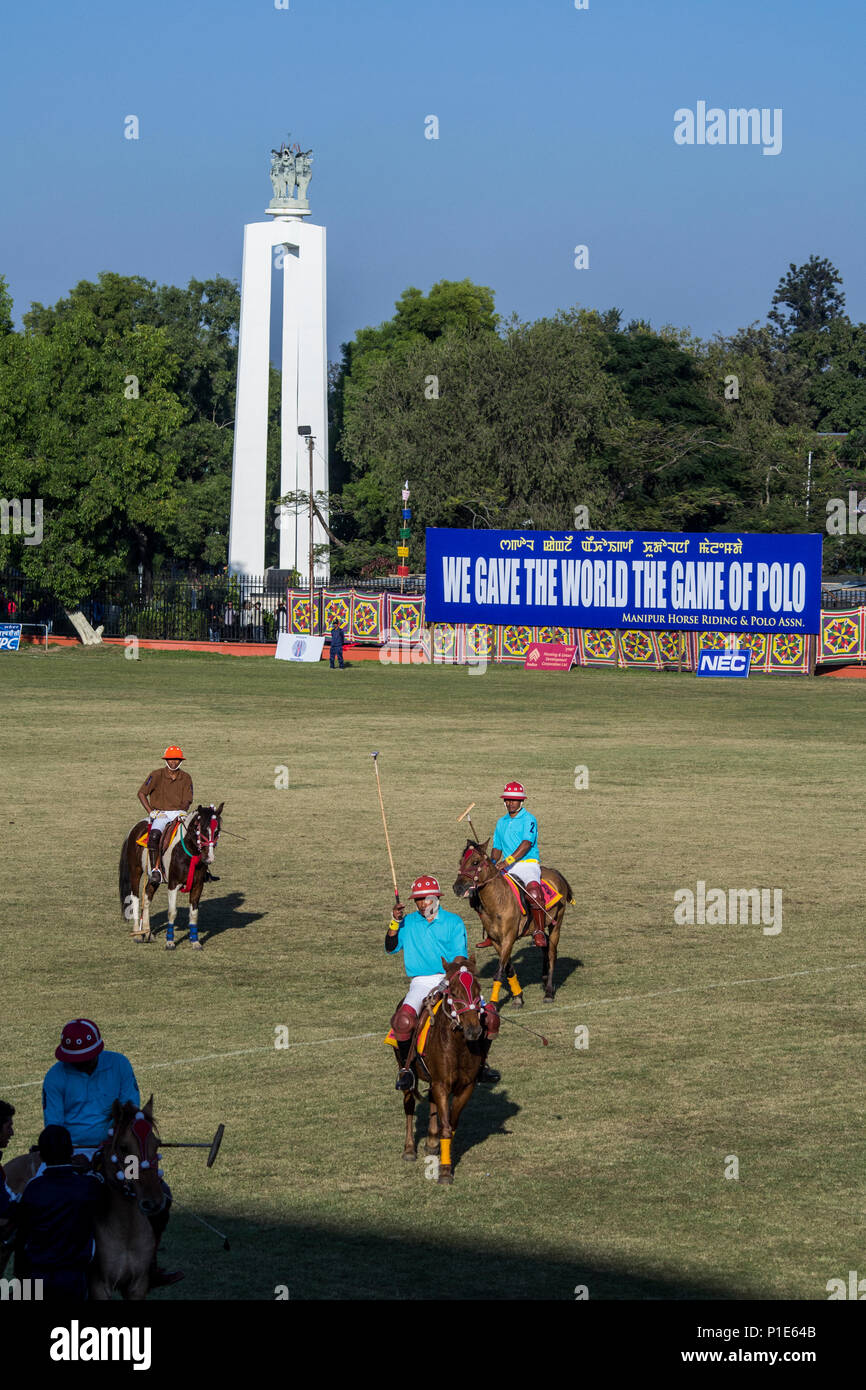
x=219, y=608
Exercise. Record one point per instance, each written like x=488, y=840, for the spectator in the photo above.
x=57, y=1219
x=7, y=1201
x=337, y=645
x=282, y=618
x=258, y=633
x=213, y=623
x=246, y=620
x=228, y=622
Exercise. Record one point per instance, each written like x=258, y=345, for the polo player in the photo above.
x=516, y=838
x=165, y=794
x=428, y=936
x=79, y=1092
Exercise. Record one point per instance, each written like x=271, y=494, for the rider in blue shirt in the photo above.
x=515, y=844
x=426, y=937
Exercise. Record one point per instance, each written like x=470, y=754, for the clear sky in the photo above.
x=556, y=128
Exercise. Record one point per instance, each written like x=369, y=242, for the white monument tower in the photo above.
x=289, y=243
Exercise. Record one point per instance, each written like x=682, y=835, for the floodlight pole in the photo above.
x=305, y=431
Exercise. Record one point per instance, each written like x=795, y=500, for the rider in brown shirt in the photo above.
x=165, y=793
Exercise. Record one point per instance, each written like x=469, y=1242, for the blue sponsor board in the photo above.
x=716, y=663
x=10, y=636
x=625, y=579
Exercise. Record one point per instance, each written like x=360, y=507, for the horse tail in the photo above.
x=569, y=892
x=125, y=882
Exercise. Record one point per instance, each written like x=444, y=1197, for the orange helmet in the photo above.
x=172, y=751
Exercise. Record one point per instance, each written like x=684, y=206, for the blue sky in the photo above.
x=555, y=129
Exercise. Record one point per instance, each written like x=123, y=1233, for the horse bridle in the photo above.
x=455, y=1011
x=114, y=1174
x=473, y=882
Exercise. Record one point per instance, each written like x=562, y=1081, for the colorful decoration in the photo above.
x=337, y=608
x=368, y=616
x=405, y=532
x=299, y=613
x=514, y=643
x=405, y=614
x=445, y=643
x=596, y=646
x=842, y=636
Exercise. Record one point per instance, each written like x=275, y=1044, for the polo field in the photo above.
x=693, y=1129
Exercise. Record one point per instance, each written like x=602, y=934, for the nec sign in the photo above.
x=724, y=663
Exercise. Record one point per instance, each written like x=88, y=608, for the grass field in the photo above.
x=602, y=1166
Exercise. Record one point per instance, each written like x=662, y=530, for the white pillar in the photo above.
x=304, y=392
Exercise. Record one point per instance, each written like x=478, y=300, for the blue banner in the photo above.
x=625, y=579
x=716, y=663
x=10, y=636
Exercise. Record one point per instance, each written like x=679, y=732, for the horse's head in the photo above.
x=462, y=996
x=131, y=1155
x=205, y=825
x=473, y=859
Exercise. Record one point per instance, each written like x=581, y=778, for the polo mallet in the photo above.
x=465, y=817
x=213, y=1145
x=375, y=757
x=175, y=1202
x=505, y=1019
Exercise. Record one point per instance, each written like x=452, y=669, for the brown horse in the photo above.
x=190, y=849
x=480, y=879
x=453, y=1056
x=125, y=1240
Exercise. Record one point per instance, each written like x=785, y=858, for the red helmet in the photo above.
x=172, y=751
x=513, y=792
x=426, y=887
x=80, y=1041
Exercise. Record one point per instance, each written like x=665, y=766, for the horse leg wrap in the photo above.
x=496, y=991
x=514, y=985
x=404, y=1022
x=444, y=1153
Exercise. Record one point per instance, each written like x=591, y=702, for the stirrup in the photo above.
x=405, y=1080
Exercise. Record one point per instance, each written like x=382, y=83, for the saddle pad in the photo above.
x=551, y=896
x=422, y=1036
x=142, y=839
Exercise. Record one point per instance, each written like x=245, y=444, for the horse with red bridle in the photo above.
x=186, y=853
x=505, y=918
x=453, y=1056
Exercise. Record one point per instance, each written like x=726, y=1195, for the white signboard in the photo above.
x=292, y=647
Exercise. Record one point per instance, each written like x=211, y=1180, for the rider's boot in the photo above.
x=539, y=918
x=405, y=1076
x=153, y=840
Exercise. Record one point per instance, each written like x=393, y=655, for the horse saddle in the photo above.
x=549, y=893
x=169, y=835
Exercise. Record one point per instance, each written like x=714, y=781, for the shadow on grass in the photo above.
x=527, y=963
x=485, y=1114
x=327, y=1260
x=216, y=915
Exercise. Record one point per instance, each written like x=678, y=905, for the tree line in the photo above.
x=117, y=410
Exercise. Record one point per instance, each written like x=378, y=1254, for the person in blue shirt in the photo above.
x=337, y=645
x=78, y=1093
x=57, y=1217
x=515, y=844
x=426, y=937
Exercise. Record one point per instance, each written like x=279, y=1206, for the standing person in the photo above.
x=7, y=1200
x=246, y=620
x=56, y=1218
x=430, y=935
x=337, y=645
x=516, y=838
x=282, y=618
x=79, y=1091
x=213, y=623
x=165, y=794
x=258, y=635
x=228, y=621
